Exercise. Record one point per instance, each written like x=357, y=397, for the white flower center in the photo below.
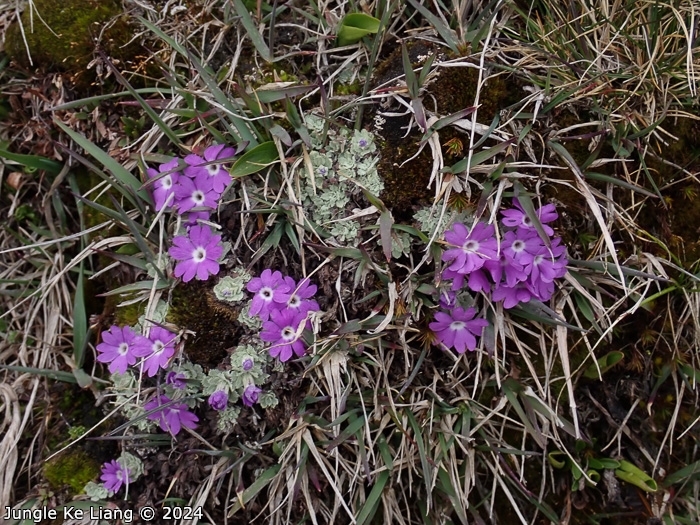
x=157, y=347
x=198, y=197
x=167, y=182
x=213, y=170
x=538, y=259
x=518, y=246
x=527, y=221
x=471, y=246
x=288, y=333
x=266, y=293
x=457, y=325
x=120, y=475
x=123, y=348
x=199, y=255
x=294, y=301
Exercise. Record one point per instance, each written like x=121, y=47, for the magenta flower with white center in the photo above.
x=281, y=330
x=458, y=329
x=156, y=349
x=118, y=348
x=271, y=292
x=189, y=195
x=251, y=395
x=114, y=475
x=164, y=187
x=517, y=218
x=470, y=249
x=207, y=173
x=300, y=298
x=218, y=400
x=520, y=246
x=198, y=252
x=548, y=265
x=173, y=417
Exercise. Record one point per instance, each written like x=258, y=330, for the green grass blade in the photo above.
x=371, y=505
x=33, y=161
x=252, y=30
x=80, y=321
x=122, y=175
x=57, y=375
x=248, y=494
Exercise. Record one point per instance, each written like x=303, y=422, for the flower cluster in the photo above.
x=122, y=347
x=194, y=191
x=282, y=305
x=517, y=269
x=115, y=474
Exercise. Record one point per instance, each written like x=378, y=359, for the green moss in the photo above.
x=68, y=43
x=72, y=470
x=195, y=307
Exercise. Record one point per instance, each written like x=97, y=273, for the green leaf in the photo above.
x=371, y=504
x=447, y=34
x=554, y=458
x=33, y=161
x=58, y=375
x=252, y=30
x=605, y=363
x=354, y=26
x=631, y=474
x=248, y=494
x=80, y=321
x=123, y=176
x=479, y=157
x=255, y=159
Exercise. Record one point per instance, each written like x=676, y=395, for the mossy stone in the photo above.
x=62, y=36
x=71, y=470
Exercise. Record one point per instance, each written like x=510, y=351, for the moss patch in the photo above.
x=71, y=32
x=72, y=470
x=195, y=307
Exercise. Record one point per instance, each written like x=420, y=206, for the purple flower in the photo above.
x=458, y=329
x=448, y=300
x=250, y=395
x=471, y=249
x=189, y=195
x=207, y=173
x=176, y=380
x=512, y=295
x=518, y=218
x=270, y=291
x=157, y=349
x=281, y=330
x=218, y=400
x=114, y=475
x=194, y=216
x=164, y=187
x=173, y=417
x=546, y=265
x=300, y=298
x=197, y=252
x=247, y=363
x=521, y=246
x=118, y=348
x=540, y=289
x=512, y=271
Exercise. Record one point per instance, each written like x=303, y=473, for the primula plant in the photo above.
x=316, y=250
